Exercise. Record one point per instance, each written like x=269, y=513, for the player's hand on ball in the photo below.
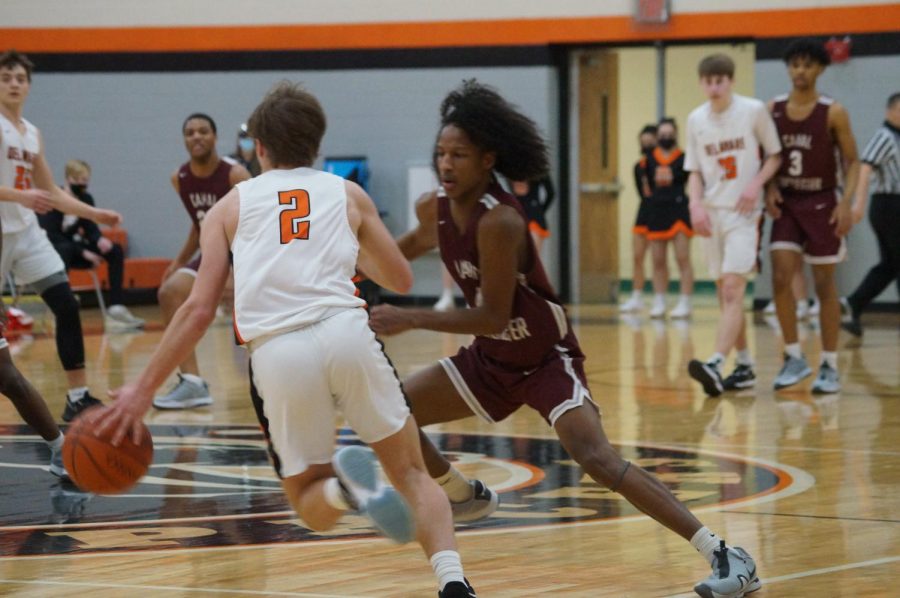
x=386, y=320
x=124, y=416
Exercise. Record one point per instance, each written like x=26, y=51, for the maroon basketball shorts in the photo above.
x=493, y=391
x=804, y=227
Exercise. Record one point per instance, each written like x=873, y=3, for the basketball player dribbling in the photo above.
x=524, y=352
x=200, y=183
x=811, y=215
x=297, y=235
x=27, y=188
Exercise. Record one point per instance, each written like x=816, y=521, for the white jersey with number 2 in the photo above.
x=725, y=147
x=294, y=252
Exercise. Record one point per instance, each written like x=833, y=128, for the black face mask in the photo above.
x=666, y=143
x=646, y=149
x=78, y=189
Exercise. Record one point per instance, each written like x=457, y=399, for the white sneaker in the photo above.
x=814, y=308
x=682, y=310
x=659, y=308
x=769, y=309
x=119, y=318
x=445, y=302
x=635, y=303
x=802, y=309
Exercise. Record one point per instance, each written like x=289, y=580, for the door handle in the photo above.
x=611, y=188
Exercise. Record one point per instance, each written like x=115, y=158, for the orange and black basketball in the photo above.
x=95, y=465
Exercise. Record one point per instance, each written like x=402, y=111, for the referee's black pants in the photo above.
x=884, y=214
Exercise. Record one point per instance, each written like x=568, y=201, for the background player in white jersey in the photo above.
x=296, y=235
x=27, y=187
x=724, y=138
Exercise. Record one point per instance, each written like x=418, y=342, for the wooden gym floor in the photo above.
x=808, y=485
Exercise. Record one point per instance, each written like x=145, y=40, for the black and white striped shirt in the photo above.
x=882, y=153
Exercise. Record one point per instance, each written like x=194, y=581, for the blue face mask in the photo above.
x=246, y=144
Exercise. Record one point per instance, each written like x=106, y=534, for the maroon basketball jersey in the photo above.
x=538, y=320
x=808, y=161
x=200, y=194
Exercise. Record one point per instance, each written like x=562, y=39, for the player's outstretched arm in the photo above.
x=187, y=326
x=501, y=243
x=62, y=201
x=379, y=257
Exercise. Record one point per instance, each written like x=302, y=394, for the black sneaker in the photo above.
x=743, y=376
x=850, y=318
x=457, y=589
x=73, y=409
x=708, y=375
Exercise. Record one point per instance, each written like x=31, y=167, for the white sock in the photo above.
x=659, y=297
x=636, y=294
x=55, y=444
x=193, y=378
x=744, y=357
x=706, y=542
x=447, y=567
x=716, y=359
x=76, y=394
x=684, y=299
x=830, y=357
x=334, y=496
x=455, y=485
x=793, y=349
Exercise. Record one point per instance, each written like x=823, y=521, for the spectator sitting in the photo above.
x=81, y=244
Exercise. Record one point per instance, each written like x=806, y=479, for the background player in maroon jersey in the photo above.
x=810, y=219
x=200, y=183
x=524, y=352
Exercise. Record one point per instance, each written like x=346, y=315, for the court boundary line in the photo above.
x=812, y=573
x=128, y=586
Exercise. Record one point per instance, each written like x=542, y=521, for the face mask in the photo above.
x=246, y=144
x=78, y=189
x=666, y=143
x=647, y=148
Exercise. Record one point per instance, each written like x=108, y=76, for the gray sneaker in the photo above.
x=118, y=318
x=793, y=371
x=484, y=501
x=381, y=504
x=827, y=382
x=733, y=576
x=56, y=464
x=184, y=395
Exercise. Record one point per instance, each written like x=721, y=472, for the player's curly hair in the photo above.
x=495, y=125
x=807, y=48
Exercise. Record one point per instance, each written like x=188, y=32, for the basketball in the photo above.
x=95, y=465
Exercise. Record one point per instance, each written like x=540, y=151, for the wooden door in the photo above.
x=599, y=187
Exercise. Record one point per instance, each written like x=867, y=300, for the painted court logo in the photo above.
x=212, y=486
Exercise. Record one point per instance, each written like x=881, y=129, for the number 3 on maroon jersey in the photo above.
x=291, y=218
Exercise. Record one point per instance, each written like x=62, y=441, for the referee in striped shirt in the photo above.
x=881, y=158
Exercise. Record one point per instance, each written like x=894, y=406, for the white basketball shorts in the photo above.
x=733, y=247
x=306, y=377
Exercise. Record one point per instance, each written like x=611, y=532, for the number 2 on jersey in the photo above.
x=291, y=217
x=729, y=165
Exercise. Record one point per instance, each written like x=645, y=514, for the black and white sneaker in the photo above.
x=708, y=375
x=742, y=377
x=458, y=589
x=733, y=575
x=484, y=501
x=74, y=408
